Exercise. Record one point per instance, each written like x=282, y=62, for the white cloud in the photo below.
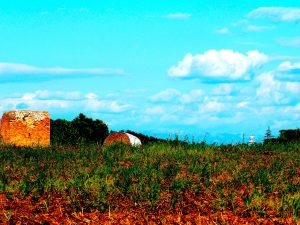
x=287, y=65
x=282, y=14
x=156, y=110
x=253, y=28
x=67, y=101
x=173, y=95
x=288, y=71
x=74, y=95
x=91, y=95
x=15, y=72
x=13, y=68
x=166, y=95
x=293, y=87
x=222, y=65
x=223, y=30
x=179, y=16
x=240, y=23
x=53, y=95
x=192, y=96
x=210, y=107
x=269, y=89
x=223, y=89
x=272, y=91
x=106, y=106
x=242, y=104
x=292, y=42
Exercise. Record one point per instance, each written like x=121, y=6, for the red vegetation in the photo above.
x=55, y=210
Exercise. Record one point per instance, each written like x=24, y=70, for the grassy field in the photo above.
x=161, y=183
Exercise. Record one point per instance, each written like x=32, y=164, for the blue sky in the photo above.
x=208, y=69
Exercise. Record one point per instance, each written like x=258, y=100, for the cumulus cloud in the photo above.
x=281, y=14
x=222, y=65
x=269, y=89
x=178, y=16
x=15, y=72
x=263, y=99
x=288, y=71
x=293, y=87
x=66, y=101
x=289, y=66
x=272, y=91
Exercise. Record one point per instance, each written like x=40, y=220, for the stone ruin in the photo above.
x=25, y=128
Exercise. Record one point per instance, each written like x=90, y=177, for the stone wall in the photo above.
x=25, y=128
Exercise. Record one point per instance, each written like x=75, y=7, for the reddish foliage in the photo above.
x=190, y=210
x=2, y=201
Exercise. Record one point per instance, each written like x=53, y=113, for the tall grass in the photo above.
x=246, y=180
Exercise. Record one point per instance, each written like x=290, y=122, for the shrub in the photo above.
x=290, y=135
x=81, y=130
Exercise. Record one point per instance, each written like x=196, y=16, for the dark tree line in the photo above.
x=81, y=130
x=290, y=135
x=84, y=130
x=285, y=136
x=145, y=139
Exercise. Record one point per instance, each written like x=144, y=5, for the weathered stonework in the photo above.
x=25, y=128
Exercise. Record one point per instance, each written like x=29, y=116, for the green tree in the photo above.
x=89, y=130
x=268, y=135
x=81, y=130
x=62, y=132
x=290, y=135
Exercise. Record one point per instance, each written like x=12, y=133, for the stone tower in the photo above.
x=25, y=128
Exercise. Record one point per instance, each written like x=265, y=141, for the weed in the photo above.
x=157, y=177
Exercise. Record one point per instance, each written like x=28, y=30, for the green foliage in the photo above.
x=81, y=130
x=290, y=135
x=63, y=133
x=268, y=136
x=244, y=179
x=286, y=136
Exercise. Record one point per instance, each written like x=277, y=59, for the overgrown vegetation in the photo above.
x=285, y=136
x=161, y=182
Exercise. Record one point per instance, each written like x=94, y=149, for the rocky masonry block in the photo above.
x=25, y=128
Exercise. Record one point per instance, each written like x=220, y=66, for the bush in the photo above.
x=81, y=130
x=290, y=135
